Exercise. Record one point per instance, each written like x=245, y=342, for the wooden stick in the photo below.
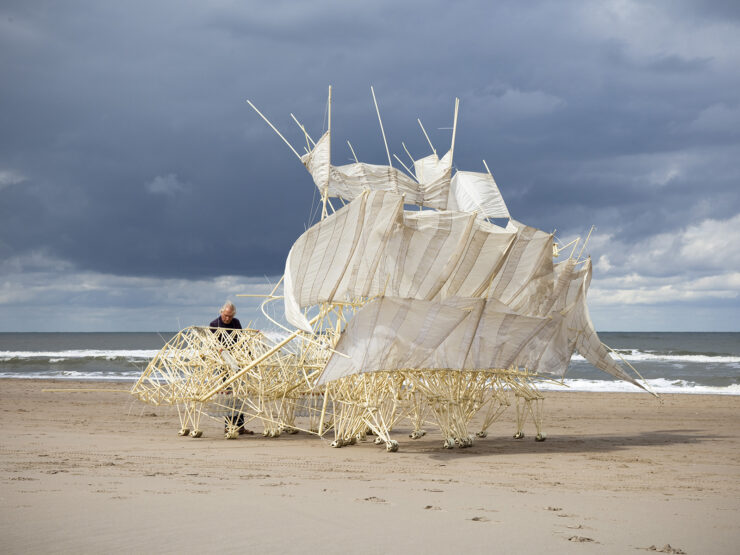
x=353, y=152
x=586, y=241
x=382, y=131
x=427, y=136
x=325, y=192
x=408, y=154
x=454, y=128
x=405, y=168
x=275, y=130
x=308, y=137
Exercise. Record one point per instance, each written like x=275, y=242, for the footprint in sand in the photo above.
x=667, y=548
x=374, y=499
x=581, y=539
x=479, y=519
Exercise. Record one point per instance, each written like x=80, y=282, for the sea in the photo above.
x=678, y=362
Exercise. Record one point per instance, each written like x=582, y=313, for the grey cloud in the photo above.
x=139, y=156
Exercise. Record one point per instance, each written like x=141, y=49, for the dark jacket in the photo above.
x=235, y=324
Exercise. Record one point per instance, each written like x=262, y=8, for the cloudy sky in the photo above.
x=138, y=190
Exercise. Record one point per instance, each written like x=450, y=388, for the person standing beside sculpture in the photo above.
x=227, y=319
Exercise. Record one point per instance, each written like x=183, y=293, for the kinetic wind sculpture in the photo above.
x=431, y=315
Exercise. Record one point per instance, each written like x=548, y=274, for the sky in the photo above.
x=138, y=189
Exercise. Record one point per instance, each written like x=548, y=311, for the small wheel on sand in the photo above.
x=519, y=435
x=540, y=437
x=378, y=441
x=231, y=434
x=196, y=433
x=184, y=432
x=449, y=443
x=482, y=433
x=391, y=446
x=337, y=443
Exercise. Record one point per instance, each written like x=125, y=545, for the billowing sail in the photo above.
x=476, y=192
x=529, y=257
x=372, y=247
x=339, y=256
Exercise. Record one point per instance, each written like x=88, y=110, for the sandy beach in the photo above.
x=620, y=473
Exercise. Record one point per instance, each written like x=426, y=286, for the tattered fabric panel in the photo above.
x=531, y=249
x=372, y=247
x=587, y=340
x=433, y=175
x=476, y=192
x=339, y=256
x=391, y=334
x=351, y=180
x=424, y=251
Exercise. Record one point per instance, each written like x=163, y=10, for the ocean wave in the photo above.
x=77, y=354
x=640, y=356
x=658, y=385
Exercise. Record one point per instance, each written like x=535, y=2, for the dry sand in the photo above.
x=619, y=473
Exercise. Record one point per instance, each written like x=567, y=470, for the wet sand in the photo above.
x=620, y=473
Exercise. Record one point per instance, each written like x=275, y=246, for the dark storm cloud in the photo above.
x=127, y=147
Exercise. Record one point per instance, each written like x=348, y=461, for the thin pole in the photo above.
x=381, y=127
x=408, y=153
x=275, y=129
x=586, y=241
x=427, y=136
x=404, y=167
x=353, y=152
x=454, y=127
x=308, y=137
x=325, y=192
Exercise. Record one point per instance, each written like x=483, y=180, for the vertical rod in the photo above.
x=325, y=192
x=454, y=128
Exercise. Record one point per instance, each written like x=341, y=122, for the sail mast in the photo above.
x=325, y=191
x=454, y=129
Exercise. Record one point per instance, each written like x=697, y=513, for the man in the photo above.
x=226, y=319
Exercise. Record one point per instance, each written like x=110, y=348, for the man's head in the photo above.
x=228, y=311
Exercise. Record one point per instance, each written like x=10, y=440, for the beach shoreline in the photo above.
x=100, y=471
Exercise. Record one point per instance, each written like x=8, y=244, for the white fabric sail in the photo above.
x=454, y=334
x=476, y=192
x=587, y=341
x=339, y=256
x=433, y=175
x=371, y=247
x=529, y=254
x=350, y=180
